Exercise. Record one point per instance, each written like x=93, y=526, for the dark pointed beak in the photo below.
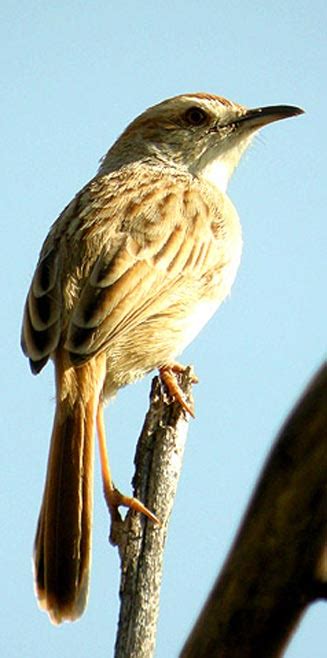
x=260, y=116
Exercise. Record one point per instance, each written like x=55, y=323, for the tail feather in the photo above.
x=62, y=553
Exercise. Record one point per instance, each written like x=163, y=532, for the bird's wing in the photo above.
x=143, y=260
x=41, y=328
x=168, y=248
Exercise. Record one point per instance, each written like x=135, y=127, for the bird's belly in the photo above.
x=160, y=338
x=201, y=314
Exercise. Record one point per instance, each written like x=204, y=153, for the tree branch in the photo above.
x=278, y=563
x=158, y=462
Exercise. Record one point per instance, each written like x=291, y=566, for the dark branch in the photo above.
x=278, y=563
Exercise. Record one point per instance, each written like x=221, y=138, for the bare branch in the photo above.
x=277, y=565
x=141, y=543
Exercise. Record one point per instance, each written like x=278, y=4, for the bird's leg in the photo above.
x=112, y=495
x=168, y=377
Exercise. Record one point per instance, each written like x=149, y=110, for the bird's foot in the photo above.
x=115, y=499
x=168, y=375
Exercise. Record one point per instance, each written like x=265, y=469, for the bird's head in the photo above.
x=202, y=133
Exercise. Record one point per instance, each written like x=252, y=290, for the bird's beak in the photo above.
x=260, y=116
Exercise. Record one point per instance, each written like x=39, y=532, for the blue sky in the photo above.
x=73, y=75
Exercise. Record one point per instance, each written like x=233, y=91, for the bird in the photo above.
x=128, y=275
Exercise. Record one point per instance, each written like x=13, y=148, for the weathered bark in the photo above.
x=141, y=543
x=278, y=563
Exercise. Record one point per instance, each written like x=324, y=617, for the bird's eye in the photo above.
x=195, y=116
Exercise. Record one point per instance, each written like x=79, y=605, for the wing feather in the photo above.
x=116, y=257
x=128, y=288
x=42, y=322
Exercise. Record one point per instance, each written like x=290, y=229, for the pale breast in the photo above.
x=180, y=303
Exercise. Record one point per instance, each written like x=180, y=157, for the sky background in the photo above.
x=73, y=75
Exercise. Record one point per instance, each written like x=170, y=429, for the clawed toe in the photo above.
x=168, y=377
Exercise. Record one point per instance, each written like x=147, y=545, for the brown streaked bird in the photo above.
x=128, y=275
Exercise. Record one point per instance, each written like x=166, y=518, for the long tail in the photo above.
x=62, y=552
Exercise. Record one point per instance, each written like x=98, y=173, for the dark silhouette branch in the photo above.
x=158, y=463
x=278, y=563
